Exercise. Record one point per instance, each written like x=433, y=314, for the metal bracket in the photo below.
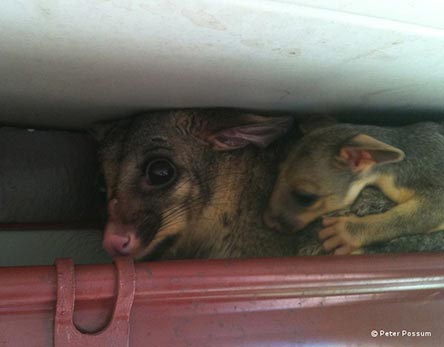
x=116, y=333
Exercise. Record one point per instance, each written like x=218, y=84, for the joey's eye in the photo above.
x=305, y=199
x=160, y=172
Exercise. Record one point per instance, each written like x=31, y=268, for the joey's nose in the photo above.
x=271, y=221
x=282, y=223
x=116, y=244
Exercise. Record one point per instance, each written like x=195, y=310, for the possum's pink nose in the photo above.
x=120, y=239
x=116, y=244
x=270, y=220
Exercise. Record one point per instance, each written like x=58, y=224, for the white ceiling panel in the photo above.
x=67, y=63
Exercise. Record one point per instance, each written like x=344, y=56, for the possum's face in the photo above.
x=325, y=172
x=162, y=173
x=309, y=185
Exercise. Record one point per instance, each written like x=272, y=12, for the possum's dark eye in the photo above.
x=305, y=199
x=160, y=172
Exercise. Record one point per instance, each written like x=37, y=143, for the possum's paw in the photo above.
x=337, y=237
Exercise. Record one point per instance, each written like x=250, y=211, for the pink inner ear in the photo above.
x=356, y=158
x=223, y=142
x=258, y=134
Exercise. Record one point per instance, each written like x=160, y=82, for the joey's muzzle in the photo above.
x=282, y=223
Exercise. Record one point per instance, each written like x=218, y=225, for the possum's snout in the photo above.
x=127, y=234
x=119, y=238
x=281, y=222
x=120, y=244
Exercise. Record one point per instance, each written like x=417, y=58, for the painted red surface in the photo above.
x=314, y=301
x=116, y=332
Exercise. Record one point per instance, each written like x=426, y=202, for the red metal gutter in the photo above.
x=313, y=301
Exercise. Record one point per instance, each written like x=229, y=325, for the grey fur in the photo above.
x=372, y=201
x=422, y=170
x=235, y=229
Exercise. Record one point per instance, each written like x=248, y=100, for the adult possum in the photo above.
x=192, y=184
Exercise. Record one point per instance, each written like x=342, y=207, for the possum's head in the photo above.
x=325, y=172
x=163, y=171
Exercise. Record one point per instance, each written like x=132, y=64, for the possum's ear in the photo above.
x=102, y=130
x=362, y=152
x=315, y=122
x=256, y=130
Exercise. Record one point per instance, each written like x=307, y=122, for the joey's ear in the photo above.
x=315, y=122
x=363, y=151
x=256, y=130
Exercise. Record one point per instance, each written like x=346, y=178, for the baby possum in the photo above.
x=332, y=163
x=192, y=184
